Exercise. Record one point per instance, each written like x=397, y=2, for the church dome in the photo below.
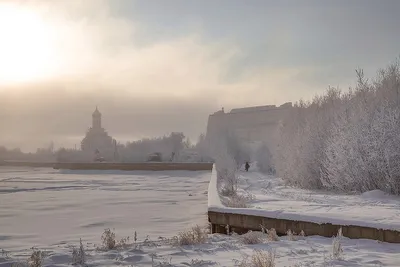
x=96, y=113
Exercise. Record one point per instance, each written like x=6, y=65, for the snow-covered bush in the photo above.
x=226, y=167
x=237, y=201
x=345, y=141
x=260, y=258
x=227, y=175
x=36, y=259
x=337, y=250
x=109, y=242
x=229, y=153
x=272, y=235
x=252, y=238
x=292, y=236
x=263, y=259
x=79, y=255
x=108, y=239
x=194, y=236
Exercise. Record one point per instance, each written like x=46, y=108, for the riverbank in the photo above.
x=135, y=166
x=372, y=215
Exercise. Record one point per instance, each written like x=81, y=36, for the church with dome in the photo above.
x=97, y=140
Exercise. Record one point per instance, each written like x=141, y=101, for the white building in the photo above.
x=97, y=139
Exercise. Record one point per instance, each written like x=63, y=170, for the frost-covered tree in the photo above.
x=345, y=141
x=363, y=152
x=138, y=151
x=237, y=149
x=227, y=168
x=202, y=148
x=228, y=153
x=264, y=159
x=231, y=144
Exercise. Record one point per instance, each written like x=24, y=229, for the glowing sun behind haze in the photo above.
x=27, y=51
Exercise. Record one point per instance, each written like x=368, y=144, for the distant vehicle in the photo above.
x=99, y=159
x=155, y=157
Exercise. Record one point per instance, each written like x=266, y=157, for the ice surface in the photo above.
x=41, y=207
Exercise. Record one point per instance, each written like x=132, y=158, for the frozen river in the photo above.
x=46, y=207
x=52, y=209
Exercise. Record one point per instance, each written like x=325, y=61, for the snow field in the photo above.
x=89, y=202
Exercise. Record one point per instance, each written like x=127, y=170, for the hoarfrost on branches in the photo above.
x=345, y=141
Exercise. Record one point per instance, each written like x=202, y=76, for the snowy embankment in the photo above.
x=272, y=199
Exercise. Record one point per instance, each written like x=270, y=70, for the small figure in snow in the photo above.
x=247, y=166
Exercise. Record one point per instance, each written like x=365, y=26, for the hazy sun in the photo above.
x=27, y=52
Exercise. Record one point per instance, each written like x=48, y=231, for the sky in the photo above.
x=154, y=66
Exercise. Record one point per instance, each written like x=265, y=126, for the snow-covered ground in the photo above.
x=271, y=198
x=370, y=209
x=52, y=209
x=222, y=250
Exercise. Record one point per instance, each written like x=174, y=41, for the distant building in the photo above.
x=97, y=140
x=251, y=125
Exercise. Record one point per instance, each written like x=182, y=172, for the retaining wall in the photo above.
x=242, y=223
